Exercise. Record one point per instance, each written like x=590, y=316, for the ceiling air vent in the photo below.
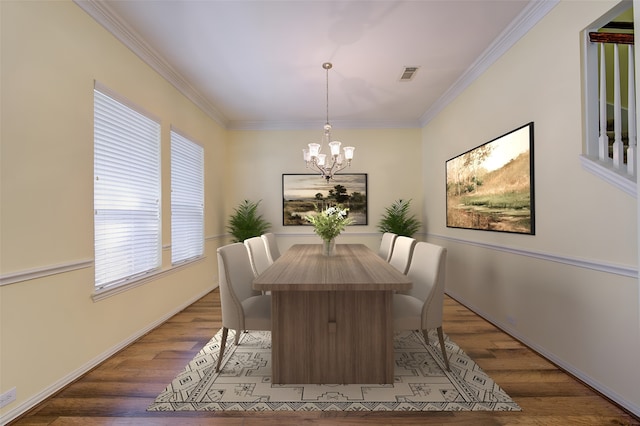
x=408, y=73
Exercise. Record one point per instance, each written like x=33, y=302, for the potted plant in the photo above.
x=245, y=222
x=397, y=220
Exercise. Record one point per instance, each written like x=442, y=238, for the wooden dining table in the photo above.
x=332, y=318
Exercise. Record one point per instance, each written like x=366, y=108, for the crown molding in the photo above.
x=527, y=19
x=317, y=125
x=113, y=23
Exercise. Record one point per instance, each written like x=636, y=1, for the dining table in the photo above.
x=331, y=316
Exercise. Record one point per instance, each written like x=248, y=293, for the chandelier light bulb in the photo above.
x=314, y=149
x=348, y=152
x=335, y=148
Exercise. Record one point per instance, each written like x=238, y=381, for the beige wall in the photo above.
x=584, y=318
x=51, y=54
x=51, y=329
x=389, y=157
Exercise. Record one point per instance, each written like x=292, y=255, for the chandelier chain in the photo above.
x=334, y=161
x=327, y=82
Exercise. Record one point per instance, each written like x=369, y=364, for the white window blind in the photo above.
x=127, y=222
x=187, y=199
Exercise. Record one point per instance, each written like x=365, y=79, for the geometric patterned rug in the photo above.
x=421, y=382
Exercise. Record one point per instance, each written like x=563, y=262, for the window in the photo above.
x=187, y=199
x=126, y=201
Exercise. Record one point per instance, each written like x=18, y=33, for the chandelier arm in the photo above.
x=347, y=164
x=315, y=166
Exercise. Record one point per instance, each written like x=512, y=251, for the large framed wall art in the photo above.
x=490, y=187
x=301, y=193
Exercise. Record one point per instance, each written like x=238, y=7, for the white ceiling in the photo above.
x=258, y=64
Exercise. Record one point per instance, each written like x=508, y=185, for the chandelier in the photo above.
x=335, y=161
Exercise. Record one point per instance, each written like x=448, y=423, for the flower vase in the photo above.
x=329, y=247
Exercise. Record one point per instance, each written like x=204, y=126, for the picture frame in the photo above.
x=301, y=193
x=491, y=187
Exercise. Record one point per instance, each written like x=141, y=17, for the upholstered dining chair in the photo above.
x=386, y=245
x=272, y=246
x=242, y=307
x=258, y=254
x=401, y=254
x=421, y=307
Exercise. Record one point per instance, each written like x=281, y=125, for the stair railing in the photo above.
x=618, y=155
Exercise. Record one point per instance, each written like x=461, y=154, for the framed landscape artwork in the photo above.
x=301, y=193
x=491, y=187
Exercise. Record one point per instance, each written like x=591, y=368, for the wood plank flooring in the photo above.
x=118, y=391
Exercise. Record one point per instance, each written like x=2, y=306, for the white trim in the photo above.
x=112, y=22
x=597, y=265
x=106, y=292
x=609, y=175
x=64, y=381
x=105, y=16
x=215, y=237
x=306, y=125
x=45, y=271
x=527, y=19
x=604, y=390
x=32, y=274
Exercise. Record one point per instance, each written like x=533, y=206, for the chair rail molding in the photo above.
x=607, y=267
x=32, y=274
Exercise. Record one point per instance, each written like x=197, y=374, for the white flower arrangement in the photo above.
x=329, y=223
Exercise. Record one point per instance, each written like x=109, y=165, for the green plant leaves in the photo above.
x=397, y=220
x=245, y=222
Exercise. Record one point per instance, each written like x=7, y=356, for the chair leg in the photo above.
x=425, y=334
x=442, y=347
x=223, y=342
x=237, y=339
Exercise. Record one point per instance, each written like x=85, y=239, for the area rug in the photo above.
x=421, y=382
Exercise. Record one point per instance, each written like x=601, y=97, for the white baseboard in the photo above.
x=599, y=387
x=64, y=381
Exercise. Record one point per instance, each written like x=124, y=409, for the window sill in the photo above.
x=600, y=169
x=115, y=289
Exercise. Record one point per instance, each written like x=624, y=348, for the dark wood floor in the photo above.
x=118, y=391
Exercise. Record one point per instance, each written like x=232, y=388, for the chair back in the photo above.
x=386, y=245
x=272, y=246
x=401, y=254
x=235, y=277
x=427, y=273
x=257, y=254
